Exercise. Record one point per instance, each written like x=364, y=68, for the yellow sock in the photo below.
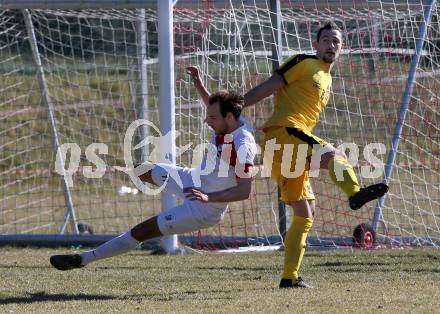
x=349, y=183
x=295, y=245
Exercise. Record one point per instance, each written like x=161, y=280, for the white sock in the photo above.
x=119, y=245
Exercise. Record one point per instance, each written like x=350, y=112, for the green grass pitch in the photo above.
x=383, y=281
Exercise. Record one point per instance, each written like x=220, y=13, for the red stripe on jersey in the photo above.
x=220, y=142
x=247, y=167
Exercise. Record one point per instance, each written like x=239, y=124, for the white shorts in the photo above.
x=189, y=216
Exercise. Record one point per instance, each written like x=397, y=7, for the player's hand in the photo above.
x=194, y=194
x=194, y=72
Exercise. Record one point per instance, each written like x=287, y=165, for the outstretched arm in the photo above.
x=265, y=89
x=236, y=193
x=194, y=72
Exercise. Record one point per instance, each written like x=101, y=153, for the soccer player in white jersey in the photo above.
x=224, y=175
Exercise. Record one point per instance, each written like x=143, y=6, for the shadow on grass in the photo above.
x=204, y=294
x=26, y=266
x=408, y=254
x=386, y=270
x=349, y=263
x=48, y=266
x=161, y=296
x=231, y=268
x=43, y=297
x=183, y=296
x=372, y=266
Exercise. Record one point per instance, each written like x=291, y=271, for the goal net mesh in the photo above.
x=92, y=61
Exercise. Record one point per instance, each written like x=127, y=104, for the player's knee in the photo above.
x=325, y=158
x=143, y=171
x=146, y=230
x=331, y=155
x=302, y=208
x=312, y=207
x=146, y=177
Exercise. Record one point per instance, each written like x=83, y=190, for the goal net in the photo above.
x=100, y=66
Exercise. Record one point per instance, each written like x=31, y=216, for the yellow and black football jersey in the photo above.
x=305, y=93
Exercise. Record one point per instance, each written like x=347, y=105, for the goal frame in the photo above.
x=167, y=96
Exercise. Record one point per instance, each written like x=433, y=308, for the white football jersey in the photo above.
x=229, y=157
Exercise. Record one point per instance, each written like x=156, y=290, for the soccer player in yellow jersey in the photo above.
x=301, y=87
